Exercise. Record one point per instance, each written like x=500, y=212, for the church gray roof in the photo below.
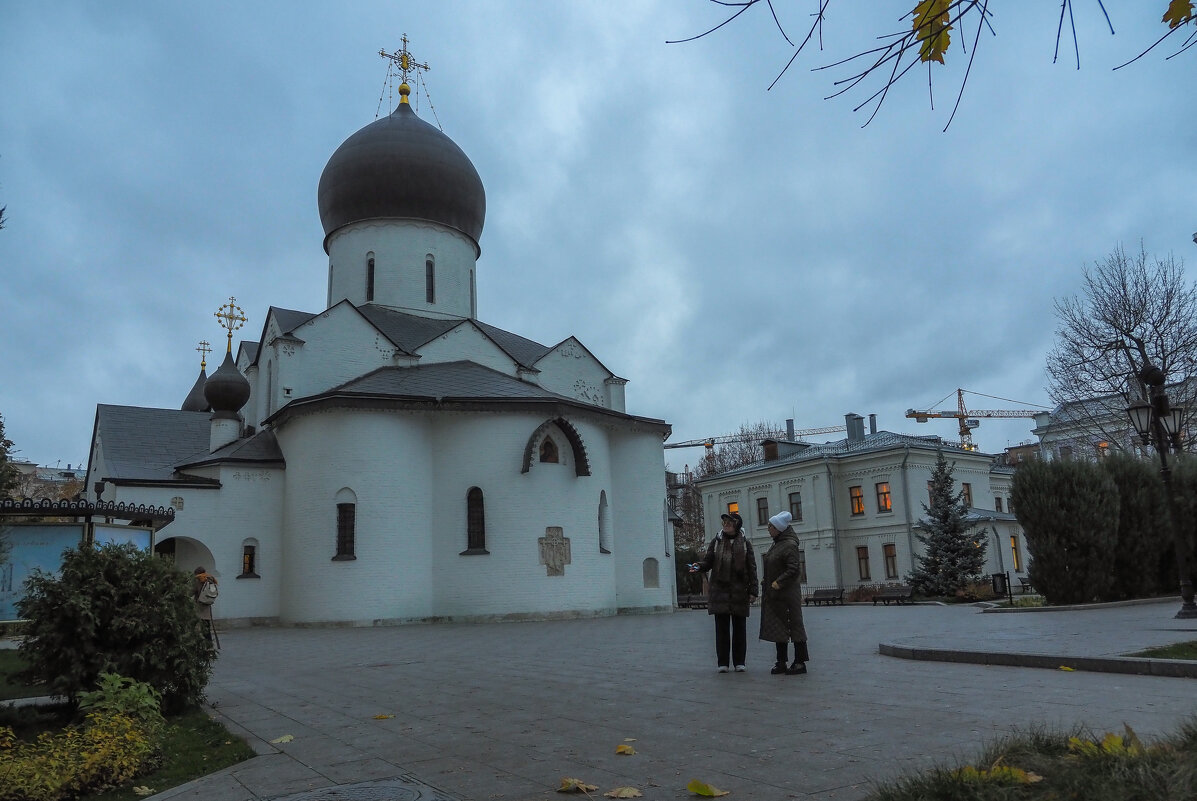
x=143, y=444
x=411, y=331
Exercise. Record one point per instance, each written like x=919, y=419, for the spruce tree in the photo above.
x=952, y=556
x=8, y=473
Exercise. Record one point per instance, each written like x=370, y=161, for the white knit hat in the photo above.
x=781, y=520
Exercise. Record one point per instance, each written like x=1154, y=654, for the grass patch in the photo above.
x=195, y=745
x=10, y=663
x=1040, y=765
x=1180, y=650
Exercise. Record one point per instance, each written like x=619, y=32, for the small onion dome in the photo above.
x=226, y=390
x=196, y=402
x=400, y=167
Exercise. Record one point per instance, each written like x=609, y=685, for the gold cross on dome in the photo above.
x=406, y=64
x=204, y=349
x=231, y=318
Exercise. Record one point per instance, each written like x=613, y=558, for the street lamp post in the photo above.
x=1160, y=424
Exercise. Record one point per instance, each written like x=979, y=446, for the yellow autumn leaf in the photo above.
x=1179, y=12
x=624, y=792
x=569, y=785
x=1065, y=667
x=702, y=788
x=624, y=749
x=286, y=738
x=143, y=790
x=930, y=25
x=383, y=717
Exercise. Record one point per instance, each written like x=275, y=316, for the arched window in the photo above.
x=346, y=525
x=548, y=451
x=369, y=277
x=652, y=574
x=430, y=278
x=604, y=524
x=475, y=523
x=249, y=558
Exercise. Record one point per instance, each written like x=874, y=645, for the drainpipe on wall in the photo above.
x=835, y=524
x=906, y=505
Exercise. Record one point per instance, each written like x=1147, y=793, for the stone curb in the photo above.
x=1171, y=668
x=1084, y=607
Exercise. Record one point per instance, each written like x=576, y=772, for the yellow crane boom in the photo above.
x=967, y=418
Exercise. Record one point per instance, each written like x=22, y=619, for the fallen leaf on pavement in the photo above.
x=624, y=749
x=144, y=790
x=624, y=792
x=569, y=785
x=286, y=738
x=383, y=717
x=702, y=788
x=1065, y=667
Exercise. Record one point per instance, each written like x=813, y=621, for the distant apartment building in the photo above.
x=858, y=503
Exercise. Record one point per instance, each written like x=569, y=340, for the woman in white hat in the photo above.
x=781, y=596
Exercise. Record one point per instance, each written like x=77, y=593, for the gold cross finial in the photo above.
x=231, y=318
x=406, y=64
x=204, y=349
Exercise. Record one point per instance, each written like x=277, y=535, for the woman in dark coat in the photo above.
x=781, y=596
x=731, y=590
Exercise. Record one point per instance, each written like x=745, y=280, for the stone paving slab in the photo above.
x=501, y=712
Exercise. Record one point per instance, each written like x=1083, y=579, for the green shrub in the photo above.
x=106, y=751
x=117, y=695
x=1143, y=535
x=115, y=609
x=1069, y=514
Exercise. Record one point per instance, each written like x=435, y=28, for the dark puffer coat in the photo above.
x=729, y=587
x=781, y=609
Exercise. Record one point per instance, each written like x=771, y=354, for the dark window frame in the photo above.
x=762, y=511
x=796, y=506
x=370, y=279
x=249, y=562
x=429, y=279
x=885, y=501
x=890, y=552
x=862, y=563
x=346, y=532
x=549, y=453
x=475, y=523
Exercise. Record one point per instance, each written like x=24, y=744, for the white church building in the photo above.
x=390, y=457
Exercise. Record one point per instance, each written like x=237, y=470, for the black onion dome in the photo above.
x=195, y=401
x=401, y=167
x=226, y=390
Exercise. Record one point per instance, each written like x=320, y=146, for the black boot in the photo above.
x=778, y=668
x=796, y=669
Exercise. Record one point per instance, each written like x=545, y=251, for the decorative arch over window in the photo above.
x=604, y=524
x=346, y=525
x=581, y=461
x=475, y=523
x=652, y=574
x=548, y=450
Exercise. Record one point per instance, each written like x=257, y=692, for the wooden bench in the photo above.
x=693, y=601
x=828, y=597
x=1024, y=586
x=895, y=594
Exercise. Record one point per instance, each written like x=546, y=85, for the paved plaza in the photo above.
x=503, y=711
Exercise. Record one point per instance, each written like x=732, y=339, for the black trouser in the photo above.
x=800, y=652
x=730, y=639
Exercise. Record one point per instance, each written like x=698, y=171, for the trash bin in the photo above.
x=999, y=583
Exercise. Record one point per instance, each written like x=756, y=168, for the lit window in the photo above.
x=891, y=560
x=857, y=497
x=966, y=491
x=762, y=511
x=249, y=560
x=1015, y=553
x=475, y=522
x=796, y=506
x=1103, y=450
x=548, y=450
x=429, y=279
x=884, y=504
x=862, y=562
x=733, y=508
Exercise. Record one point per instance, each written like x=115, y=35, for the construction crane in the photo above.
x=710, y=442
x=967, y=418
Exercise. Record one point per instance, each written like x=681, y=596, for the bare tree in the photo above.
x=1133, y=310
x=926, y=35
x=742, y=448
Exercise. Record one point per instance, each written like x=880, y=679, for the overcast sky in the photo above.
x=737, y=254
